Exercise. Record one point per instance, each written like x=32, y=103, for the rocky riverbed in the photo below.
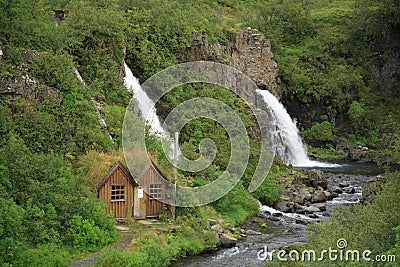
x=305, y=199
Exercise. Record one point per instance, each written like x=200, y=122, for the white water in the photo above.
x=264, y=208
x=101, y=120
x=285, y=135
x=146, y=105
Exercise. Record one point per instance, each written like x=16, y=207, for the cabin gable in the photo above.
x=116, y=190
x=124, y=197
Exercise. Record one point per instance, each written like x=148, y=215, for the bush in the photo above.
x=373, y=227
x=320, y=133
x=85, y=235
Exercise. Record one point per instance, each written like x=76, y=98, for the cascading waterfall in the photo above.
x=285, y=134
x=144, y=102
x=145, y=105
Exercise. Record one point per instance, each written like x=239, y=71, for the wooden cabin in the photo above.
x=125, y=198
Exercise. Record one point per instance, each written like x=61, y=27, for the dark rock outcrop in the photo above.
x=356, y=153
x=23, y=84
x=250, y=53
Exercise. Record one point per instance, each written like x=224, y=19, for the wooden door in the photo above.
x=153, y=205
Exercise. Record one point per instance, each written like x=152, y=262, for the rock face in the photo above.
x=23, y=84
x=26, y=86
x=250, y=53
x=356, y=153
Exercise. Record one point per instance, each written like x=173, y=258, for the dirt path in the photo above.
x=123, y=242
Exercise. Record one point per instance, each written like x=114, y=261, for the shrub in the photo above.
x=373, y=227
x=320, y=132
x=84, y=234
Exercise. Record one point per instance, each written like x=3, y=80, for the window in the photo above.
x=155, y=191
x=117, y=193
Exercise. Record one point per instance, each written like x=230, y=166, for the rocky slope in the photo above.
x=250, y=53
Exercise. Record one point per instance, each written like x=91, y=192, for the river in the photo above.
x=291, y=227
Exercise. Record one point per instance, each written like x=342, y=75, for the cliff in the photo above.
x=250, y=53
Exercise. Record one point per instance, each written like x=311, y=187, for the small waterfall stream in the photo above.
x=102, y=122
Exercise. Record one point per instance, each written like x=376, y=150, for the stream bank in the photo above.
x=285, y=229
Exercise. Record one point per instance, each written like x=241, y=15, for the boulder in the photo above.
x=317, y=178
x=318, y=196
x=217, y=228
x=284, y=206
x=320, y=206
x=349, y=189
x=252, y=232
x=336, y=189
x=302, y=196
x=274, y=218
x=311, y=209
x=328, y=195
x=298, y=221
x=227, y=241
x=343, y=184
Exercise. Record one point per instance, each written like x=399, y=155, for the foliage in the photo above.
x=40, y=200
x=320, y=132
x=237, y=205
x=84, y=234
x=189, y=238
x=162, y=29
x=348, y=222
x=268, y=192
x=327, y=152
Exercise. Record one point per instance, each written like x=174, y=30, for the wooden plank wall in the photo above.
x=119, y=209
x=151, y=176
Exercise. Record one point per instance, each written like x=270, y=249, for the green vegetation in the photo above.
x=183, y=238
x=327, y=53
x=378, y=235
x=373, y=227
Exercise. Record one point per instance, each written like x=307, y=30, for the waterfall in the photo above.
x=102, y=122
x=144, y=102
x=285, y=134
x=146, y=106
